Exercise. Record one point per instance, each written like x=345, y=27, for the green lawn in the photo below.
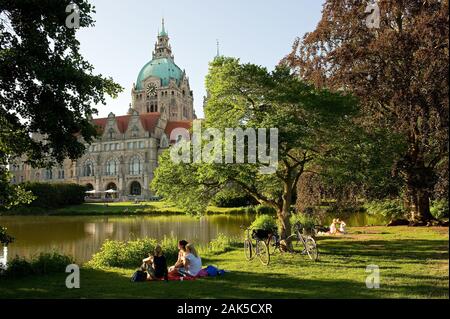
x=413, y=264
x=119, y=208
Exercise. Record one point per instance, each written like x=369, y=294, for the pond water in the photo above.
x=82, y=236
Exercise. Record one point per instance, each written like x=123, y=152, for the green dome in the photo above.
x=163, y=68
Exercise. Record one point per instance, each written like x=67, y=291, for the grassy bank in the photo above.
x=413, y=264
x=120, y=208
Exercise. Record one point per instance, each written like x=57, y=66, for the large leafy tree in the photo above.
x=248, y=96
x=46, y=86
x=399, y=72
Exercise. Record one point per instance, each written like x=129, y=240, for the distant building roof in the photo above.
x=148, y=120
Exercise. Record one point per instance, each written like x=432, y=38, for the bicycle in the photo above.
x=260, y=248
x=298, y=239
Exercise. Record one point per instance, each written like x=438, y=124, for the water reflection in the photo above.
x=82, y=236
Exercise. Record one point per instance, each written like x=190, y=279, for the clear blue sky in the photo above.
x=255, y=31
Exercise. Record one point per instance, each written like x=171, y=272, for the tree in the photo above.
x=247, y=96
x=46, y=87
x=399, y=72
x=358, y=168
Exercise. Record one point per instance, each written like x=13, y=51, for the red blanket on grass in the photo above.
x=174, y=276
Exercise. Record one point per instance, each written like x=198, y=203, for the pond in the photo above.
x=82, y=236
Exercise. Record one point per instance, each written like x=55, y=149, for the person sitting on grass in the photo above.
x=192, y=263
x=156, y=265
x=333, y=229
x=181, y=251
x=342, y=226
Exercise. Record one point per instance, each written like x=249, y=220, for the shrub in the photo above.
x=18, y=267
x=114, y=253
x=221, y=244
x=44, y=263
x=5, y=239
x=47, y=263
x=231, y=198
x=439, y=208
x=389, y=208
x=265, y=222
x=309, y=222
x=129, y=254
x=265, y=210
x=55, y=195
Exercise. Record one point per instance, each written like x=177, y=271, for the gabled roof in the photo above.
x=148, y=120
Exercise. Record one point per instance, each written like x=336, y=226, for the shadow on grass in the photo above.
x=333, y=277
x=110, y=284
x=411, y=250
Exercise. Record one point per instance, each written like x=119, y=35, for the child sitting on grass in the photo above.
x=156, y=265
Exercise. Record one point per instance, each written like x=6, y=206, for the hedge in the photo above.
x=56, y=195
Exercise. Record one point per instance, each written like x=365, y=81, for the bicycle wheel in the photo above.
x=272, y=244
x=311, y=248
x=248, y=249
x=295, y=242
x=263, y=252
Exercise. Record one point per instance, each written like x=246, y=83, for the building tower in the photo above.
x=161, y=86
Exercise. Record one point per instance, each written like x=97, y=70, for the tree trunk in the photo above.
x=420, y=182
x=284, y=215
x=419, y=206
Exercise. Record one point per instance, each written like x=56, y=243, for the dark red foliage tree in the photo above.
x=399, y=71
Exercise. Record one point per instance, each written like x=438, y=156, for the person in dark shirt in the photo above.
x=156, y=265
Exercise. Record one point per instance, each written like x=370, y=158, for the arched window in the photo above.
x=111, y=167
x=135, y=166
x=88, y=168
x=135, y=189
x=48, y=174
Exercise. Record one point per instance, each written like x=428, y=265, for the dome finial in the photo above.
x=218, y=48
x=163, y=32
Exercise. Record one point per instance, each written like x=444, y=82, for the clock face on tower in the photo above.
x=151, y=89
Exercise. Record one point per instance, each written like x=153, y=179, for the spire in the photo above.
x=162, y=46
x=218, y=49
x=163, y=32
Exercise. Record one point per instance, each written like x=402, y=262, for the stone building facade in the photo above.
x=125, y=155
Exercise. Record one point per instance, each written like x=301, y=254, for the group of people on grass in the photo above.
x=337, y=227
x=188, y=263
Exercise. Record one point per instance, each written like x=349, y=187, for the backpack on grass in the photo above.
x=139, y=276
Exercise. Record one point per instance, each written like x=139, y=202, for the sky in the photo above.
x=256, y=31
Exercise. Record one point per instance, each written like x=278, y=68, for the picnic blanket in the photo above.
x=209, y=271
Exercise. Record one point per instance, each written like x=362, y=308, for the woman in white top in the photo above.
x=192, y=262
x=333, y=227
x=342, y=226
